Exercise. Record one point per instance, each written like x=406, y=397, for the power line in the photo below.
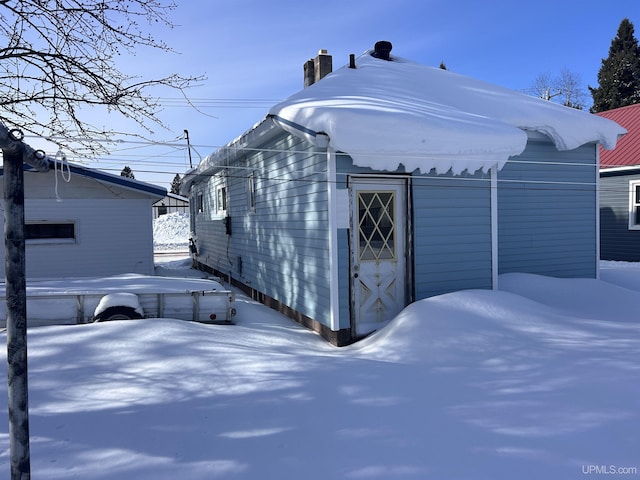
x=216, y=102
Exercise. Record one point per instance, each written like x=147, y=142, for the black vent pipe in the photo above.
x=381, y=50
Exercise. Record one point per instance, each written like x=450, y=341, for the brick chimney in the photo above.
x=317, y=68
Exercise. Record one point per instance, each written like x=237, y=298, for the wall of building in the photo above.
x=113, y=228
x=452, y=233
x=547, y=212
x=279, y=246
x=617, y=242
x=170, y=204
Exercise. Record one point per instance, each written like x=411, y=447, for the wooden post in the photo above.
x=16, y=311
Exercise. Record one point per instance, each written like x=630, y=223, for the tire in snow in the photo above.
x=118, y=306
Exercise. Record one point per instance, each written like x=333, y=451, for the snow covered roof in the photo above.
x=124, y=182
x=383, y=113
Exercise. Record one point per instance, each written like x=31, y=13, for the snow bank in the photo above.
x=383, y=113
x=476, y=384
x=625, y=274
x=171, y=232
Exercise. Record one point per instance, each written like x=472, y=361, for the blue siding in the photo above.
x=452, y=233
x=344, y=279
x=546, y=223
x=280, y=249
x=617, y=242
x=547, y=212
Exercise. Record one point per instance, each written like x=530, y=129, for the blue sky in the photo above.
x=252, y=53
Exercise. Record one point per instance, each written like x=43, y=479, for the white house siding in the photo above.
x=111, y=239
x=281, y=248
x=547, y=212
x=114, y=228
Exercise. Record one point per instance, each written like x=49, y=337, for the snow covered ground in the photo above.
x=539, y=380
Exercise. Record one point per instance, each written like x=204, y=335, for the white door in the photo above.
x=378, y=223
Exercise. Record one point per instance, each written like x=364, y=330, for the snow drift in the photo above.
x=171, y=232
x=529, y=382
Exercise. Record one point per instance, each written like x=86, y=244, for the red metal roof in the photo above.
x=627, y=151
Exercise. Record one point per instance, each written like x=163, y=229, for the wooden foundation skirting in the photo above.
x=338, y=338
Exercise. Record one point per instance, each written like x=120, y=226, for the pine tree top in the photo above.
x=619, y=75
x=175, y=184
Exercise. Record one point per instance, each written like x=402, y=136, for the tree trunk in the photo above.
x=16, y=313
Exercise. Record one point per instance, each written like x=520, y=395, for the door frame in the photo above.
x=378, y=182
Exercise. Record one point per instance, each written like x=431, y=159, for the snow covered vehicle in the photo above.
x=85, y=300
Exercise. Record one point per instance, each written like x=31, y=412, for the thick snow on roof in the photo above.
x=383, y=113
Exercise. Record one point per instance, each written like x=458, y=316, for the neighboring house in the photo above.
x=620, y=190
x=171, y=203
x=387, y=182
x=94, y=224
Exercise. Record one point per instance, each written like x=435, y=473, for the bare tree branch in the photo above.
x=565, y=88
x=59, y=57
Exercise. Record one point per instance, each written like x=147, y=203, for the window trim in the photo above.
x=199, y=206
x=251, y=192
x=222, y=199
x=634, y=205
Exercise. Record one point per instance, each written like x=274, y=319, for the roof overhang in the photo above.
x=228, y=156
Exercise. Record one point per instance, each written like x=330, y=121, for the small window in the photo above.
x=376, y=225
x=50, y=232
x=199, y=203
x=221, y=199
x=251, y=192
x=634, y=205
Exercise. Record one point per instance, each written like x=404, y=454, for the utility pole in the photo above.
x=16, y=314
x=186, y=134
x=15, y=154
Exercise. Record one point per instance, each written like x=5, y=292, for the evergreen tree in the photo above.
x=175, y=184
x=127, y=172
x=619, y=75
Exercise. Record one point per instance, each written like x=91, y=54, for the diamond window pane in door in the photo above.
x=376, y=225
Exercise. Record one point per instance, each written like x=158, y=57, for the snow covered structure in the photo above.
x=388, y=181
x=171, y=203
x=94, y=224
x=620, y=190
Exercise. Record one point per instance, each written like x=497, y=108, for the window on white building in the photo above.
x=251, y=192
x=634, y=205
x=221, y=199
x=50, y=232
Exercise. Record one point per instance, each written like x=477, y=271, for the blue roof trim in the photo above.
x=117, y=180
x=109, y=178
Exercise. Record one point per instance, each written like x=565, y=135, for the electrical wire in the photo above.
x=172, y=165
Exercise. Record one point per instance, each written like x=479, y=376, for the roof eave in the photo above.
x=226, y=156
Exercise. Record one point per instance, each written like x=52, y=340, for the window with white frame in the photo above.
x=634, y=205
x=221, y=198
x=199, y=202
x=251, y=192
